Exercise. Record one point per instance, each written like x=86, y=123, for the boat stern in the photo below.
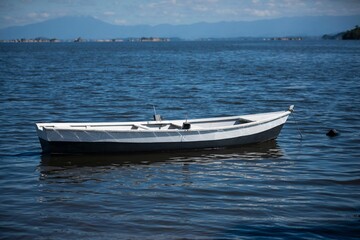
x=41, y=132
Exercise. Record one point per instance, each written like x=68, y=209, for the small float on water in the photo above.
x=160, y=135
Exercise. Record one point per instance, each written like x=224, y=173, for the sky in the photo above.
x=154, y=12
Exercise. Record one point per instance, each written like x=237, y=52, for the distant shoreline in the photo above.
x=154, y=39
x=79, y=39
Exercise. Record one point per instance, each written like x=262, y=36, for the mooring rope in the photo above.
x=297, y=126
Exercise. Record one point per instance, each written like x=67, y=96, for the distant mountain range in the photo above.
x=91, y=28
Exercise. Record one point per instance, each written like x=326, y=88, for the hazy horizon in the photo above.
x=91, y=28
x=173, y=12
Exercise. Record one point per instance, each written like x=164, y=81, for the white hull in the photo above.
x=160, y=135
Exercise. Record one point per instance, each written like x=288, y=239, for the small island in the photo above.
x=353, y=34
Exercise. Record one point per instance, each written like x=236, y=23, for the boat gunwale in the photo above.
x=72, y=126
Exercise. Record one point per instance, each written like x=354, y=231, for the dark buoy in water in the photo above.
x=332, y=133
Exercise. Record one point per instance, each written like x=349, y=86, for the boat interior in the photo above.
x=185, y=125
x=151, y=125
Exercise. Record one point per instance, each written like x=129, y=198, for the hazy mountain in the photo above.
x=91, y=28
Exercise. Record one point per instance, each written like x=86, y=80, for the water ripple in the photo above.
x=291, y=188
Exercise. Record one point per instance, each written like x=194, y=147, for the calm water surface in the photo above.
x=290, y=188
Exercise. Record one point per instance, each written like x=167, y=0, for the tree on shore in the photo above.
x=353, y=34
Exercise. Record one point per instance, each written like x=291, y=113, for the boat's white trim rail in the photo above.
x=175, y=125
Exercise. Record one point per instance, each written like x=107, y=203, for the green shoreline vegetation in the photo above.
x=353, y=34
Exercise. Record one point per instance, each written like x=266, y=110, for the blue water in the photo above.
x=290, y=188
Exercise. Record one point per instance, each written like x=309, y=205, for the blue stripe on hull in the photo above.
x=116, y=147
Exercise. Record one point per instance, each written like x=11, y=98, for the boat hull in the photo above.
x=115, y=137
x=72, y=147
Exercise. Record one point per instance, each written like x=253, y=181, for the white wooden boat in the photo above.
x=159, y=135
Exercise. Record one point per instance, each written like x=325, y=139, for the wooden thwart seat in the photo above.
x=140, y=126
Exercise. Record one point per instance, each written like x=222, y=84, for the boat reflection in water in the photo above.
x=266, y=150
